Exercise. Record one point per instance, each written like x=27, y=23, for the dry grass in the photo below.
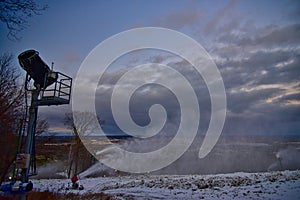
x=50, y=195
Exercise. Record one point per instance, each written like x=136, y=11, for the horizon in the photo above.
x=54, y=134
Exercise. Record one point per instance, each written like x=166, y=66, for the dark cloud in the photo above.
x=187, y=17
x=266, y=37
x=55, y=115
x=151, y=94
x=259, y=63
x=287, y=35
x=267, y=119
x=72, y=57
x=291, y=97
x=262, y=67
x=216, y=20
x=259, y=73
x=242, y=102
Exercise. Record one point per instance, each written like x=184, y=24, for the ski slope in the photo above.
x=268, y=185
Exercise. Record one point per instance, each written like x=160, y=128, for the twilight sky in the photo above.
x=255, y=44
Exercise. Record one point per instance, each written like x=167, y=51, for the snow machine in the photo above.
x=50, y=88
x=75, y=184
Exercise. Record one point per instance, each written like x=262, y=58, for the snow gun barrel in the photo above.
x=37, y=69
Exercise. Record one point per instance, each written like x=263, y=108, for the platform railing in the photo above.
x=58, y=93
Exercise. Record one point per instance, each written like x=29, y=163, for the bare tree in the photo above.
x=11, y=112
x=41, y=126
x=11, y=95
x=79, y=157
x=15, y=14
x=11, y=91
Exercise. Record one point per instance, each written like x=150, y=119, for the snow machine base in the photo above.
x=16, y=188
x=75, y=186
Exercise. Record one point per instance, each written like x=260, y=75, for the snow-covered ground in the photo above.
x=269, y=185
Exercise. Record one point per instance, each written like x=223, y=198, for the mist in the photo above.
x=286, y=159
x=51, y=170
x=231, y=154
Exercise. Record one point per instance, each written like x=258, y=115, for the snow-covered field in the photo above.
x=269, y=185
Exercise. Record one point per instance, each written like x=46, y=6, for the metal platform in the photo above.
x=49, y=101
x=58, y=93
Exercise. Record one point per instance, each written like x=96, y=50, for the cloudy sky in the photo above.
x=255, y=45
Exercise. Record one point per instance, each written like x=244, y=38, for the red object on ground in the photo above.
x=74, y=179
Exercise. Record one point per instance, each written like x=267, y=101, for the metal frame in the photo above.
x=54, y=89
x=58, y=93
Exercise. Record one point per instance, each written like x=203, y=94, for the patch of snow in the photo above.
x=269, y=185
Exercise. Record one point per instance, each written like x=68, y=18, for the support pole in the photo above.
x=29, y=145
